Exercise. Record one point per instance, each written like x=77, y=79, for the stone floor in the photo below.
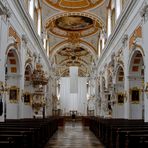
x=74, y=135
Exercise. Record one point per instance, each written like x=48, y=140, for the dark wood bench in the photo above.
x=113, y=133
x=27, y=133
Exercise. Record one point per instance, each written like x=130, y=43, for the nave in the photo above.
x=74, y=135
x=86, y=58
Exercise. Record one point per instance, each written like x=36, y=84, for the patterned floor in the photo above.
x=73, y=135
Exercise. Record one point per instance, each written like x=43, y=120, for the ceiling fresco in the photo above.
x=79, y=51
x=67, y=57
x=64, y=25
x=73, y=28
x=74, y=5
x=74, y=23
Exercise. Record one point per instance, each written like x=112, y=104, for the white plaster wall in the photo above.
x=136, y=111
x=12, y=111
x=119, y=111
x=145, y=45
x=73, y=101
x=27, y=111
x=129, y=21
x=19, y=22
x=3, y=45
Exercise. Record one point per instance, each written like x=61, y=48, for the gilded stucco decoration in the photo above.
x=79, y=27
x=74, y=5
x=67, y=57
x=84, y=24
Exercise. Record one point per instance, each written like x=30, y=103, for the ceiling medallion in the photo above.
x=73, y=23
x=74, y=5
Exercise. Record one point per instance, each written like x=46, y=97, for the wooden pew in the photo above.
x=27, y=133
x=113, y=133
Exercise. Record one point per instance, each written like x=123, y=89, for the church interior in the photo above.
x=73, y=73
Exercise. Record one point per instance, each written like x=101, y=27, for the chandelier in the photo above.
x=38, y=76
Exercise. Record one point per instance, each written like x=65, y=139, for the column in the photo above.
x=3, y=48
x=22, y=72
x=144, y=15
x=126, y=78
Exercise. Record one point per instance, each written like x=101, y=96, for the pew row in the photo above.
x=27, y=133
x=120, y=133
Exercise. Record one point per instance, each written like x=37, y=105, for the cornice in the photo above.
x=4, y=10
x=29, y=23
x=119, y=25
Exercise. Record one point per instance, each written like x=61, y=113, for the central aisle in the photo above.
x=74, y=135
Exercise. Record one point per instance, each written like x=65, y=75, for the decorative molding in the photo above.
x=134, y=38
x=124, y=40
x=24, y=38
x=29, y=24
x=119, y=57
x=4, y=10
x=74, y=5
x=119, y=24
x=144, y=13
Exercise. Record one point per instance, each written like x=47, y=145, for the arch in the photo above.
x=77, y=5
x=135, y=60
x=137, y=48
x=66, y=72
x=13, y=76
x=58, y=15
x=28, y=72
x=80, y=60
x=119, y=76
x=12, y=57
x=136, y=83
x=64, y=44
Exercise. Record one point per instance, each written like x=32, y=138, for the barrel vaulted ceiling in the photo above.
x=73, y=28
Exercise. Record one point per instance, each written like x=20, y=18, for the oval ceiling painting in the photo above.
x=65, y=24
x=74, y=5
x=74, y=23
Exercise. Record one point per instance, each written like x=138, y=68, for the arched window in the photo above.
x=109, y=22
x=27, y=4
x=122, y=3
x=118, y=8
x=113, y=18
x=31, y=8
x=36, y=18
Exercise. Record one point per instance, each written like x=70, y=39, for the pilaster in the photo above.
x=144, y=17
x=126, y=78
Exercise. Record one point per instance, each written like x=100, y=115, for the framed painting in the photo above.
x=135, y=95
x=27, y=98
x=120, y=98
x=13, y=94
